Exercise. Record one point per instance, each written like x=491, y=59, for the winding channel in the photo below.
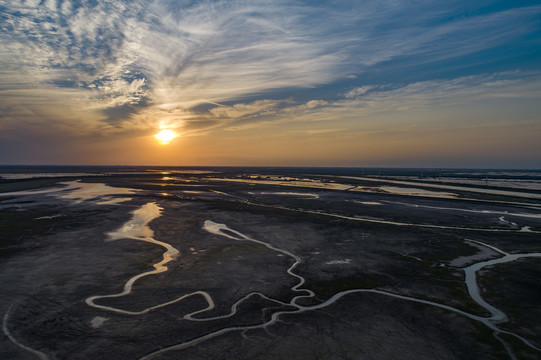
x=497, y=316
x=387, y=222
x=5, y=329
x=137, y=228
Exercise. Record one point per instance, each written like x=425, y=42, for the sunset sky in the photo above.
x=271, y=83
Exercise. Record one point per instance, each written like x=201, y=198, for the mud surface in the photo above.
x=268, y=266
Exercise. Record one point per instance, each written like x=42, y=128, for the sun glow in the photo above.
x=165, y=136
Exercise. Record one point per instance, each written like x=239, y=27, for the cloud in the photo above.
x=131, y=66
x=365, y=104
x=481, y=94
x=256, y=108
x=315, y=103
x=263, y=112
x=175, y=57
x=425, y=95
x=111, y=93
x=353, y=93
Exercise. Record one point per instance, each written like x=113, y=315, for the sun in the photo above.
x=165, y=136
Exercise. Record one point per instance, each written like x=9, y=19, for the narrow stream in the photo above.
x=5, y=329
x=497, y=315
x=387, y=222
x=137, y=228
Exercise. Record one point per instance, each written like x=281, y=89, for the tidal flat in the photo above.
x=268, y=263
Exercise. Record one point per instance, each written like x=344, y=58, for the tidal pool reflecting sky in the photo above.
x=295, y=83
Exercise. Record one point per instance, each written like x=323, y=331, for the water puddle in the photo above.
x=417, y=192
x=314, y=184
x=137, y=227
x=94, y=191
x=375, y=203
x=451, y=187
x=338, y=262
x=43, y=175
x=77, y=192
x=98, y=321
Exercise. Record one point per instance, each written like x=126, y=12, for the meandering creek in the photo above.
x=138, y=229
x=497, y=316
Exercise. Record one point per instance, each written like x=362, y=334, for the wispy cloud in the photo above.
x=432, y=94
x=119, y=66
x=353, y=93
x=362, y=105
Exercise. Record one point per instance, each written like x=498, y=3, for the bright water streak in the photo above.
x=497, y=315
x=137, y=229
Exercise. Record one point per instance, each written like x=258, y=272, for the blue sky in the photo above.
x=326, y=83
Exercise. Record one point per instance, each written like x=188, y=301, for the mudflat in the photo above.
x=259, y=264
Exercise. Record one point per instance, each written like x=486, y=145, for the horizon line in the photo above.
x=278, y=166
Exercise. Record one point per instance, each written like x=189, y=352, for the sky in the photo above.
x=271, y=83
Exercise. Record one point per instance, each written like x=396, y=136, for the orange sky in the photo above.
x=267, y=83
